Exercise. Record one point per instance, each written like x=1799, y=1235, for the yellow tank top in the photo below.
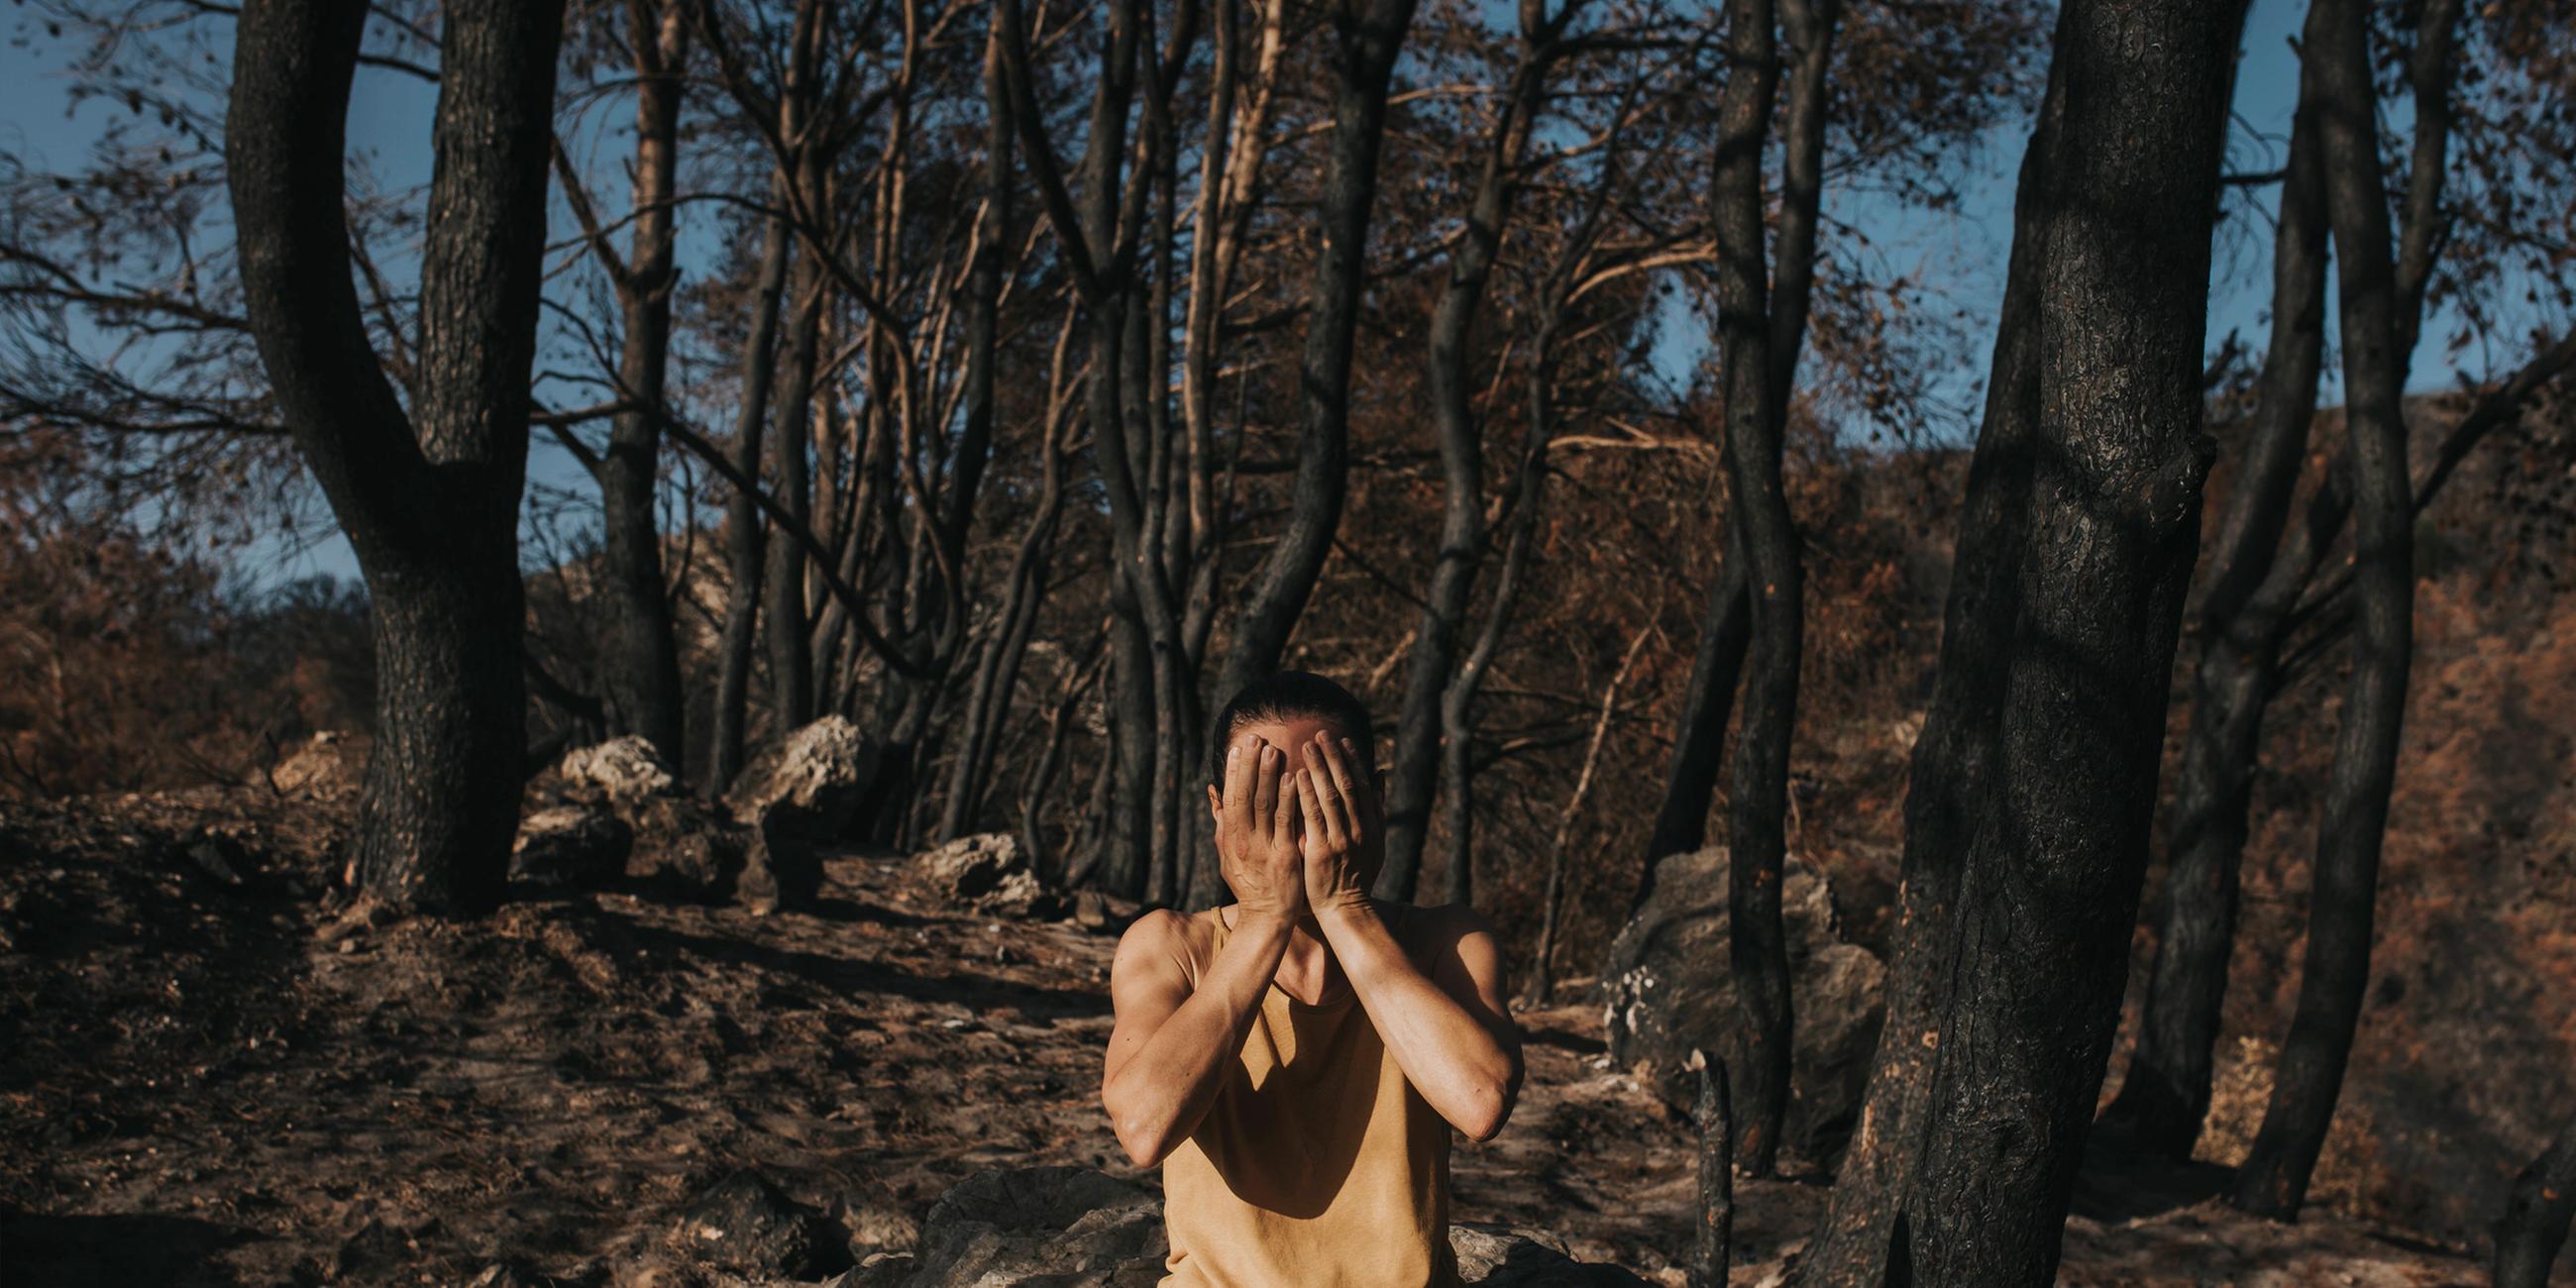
x=1319, y=1165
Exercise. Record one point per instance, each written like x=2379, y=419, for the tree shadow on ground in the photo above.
x=120, y=1250
x=2120, y=1182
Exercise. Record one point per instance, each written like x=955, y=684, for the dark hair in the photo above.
x=1283, y=694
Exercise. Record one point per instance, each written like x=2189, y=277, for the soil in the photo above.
x=221, y=1069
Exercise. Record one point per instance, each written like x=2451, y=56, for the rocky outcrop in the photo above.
x=797, y=796
x=624, y=772
x=988, y=873
x=578, y=807
x=329, y=766
x=1669, y=990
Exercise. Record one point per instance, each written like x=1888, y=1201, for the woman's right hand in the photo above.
x=1257, y=846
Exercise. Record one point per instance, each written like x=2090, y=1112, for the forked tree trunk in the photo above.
x=1414, y=768
x=2353, y=817
x=430, y=501
x=2035, y=776
x=1366, y=37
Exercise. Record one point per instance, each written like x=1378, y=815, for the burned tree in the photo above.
x=2034, y=778
x=429, y=498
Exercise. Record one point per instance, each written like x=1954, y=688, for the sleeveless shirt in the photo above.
x=1318, y=1165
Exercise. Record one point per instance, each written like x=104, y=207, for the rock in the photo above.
x=622, y=771
x=799, y=794
x=1669, y=990
x=743, y=1225
x=876, y=1229
x=330, y=766
x=989, y=873
x=1499, y=1256
x=570, y=847
x=1094, y=912
x=1076, y=1227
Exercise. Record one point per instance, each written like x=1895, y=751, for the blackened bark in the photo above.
x=2353, y=818
x=2534, y=1226
x=430, y=501
x=1699, y=731
x=2165, y=1096
x=2035, y=776
x=1413, y=771
x=643, y=656
x=1713, y=1238
x=1757, y=944
x=791, y=658
x=744, y=530
x=1367, y=37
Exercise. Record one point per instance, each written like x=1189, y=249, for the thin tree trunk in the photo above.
x=1542, y=976
x=2034, y=779
x=2165, y=1095
x=1367, y=36
x=2353, y=818
x=643, y=660
x=791, y=660
x=1757, y=942
x=1414, y=768
x=743, y=527
x=430, y=500
x=1713, y=1239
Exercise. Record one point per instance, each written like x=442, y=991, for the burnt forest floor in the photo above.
x=216, y=1069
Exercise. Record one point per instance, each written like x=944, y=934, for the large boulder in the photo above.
x=1670, y=990
x=674, y=841
x=798, y=795
x=623, y=772
x=989, y=873
x=329, y=766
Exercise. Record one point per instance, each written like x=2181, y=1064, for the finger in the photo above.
x=1318, y=818
x=1363, y=788
x=1331, y=811
x=1238, y=787
x=1354, y=793
x=1292, y=812
x=1265, y=787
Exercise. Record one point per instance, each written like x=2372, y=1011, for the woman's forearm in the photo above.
x=1458, y=1064
x=1156, y=1099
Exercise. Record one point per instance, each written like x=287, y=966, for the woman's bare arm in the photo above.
x=1170, y=1048
x=1449, y=1031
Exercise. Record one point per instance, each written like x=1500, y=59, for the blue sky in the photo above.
x=1957, y=255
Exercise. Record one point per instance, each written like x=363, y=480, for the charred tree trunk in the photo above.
x=2035, y=776
x=430, y=501
x=2534, y=1226
x=1699, y=734
x=643, y=653
x=743, y=527
x=2354, y=815
x=1415, y=765
x=1757, y=944
x=1367, y=37
x=791, y=659
x=2165, y=1096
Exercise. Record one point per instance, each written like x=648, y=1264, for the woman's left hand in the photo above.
x=1344, y=834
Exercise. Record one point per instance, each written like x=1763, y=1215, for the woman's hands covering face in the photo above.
x=1256, y=833
x=1343, y=837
